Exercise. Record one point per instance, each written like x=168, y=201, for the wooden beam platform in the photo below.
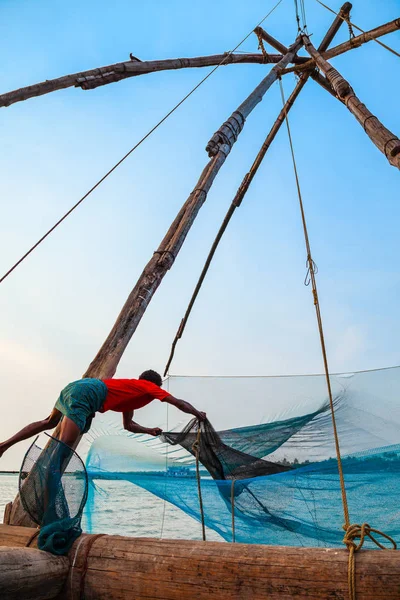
x=114, y=567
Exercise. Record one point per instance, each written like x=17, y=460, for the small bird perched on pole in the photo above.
x=134, y=57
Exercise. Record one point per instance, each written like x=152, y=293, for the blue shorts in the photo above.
x=80, y=400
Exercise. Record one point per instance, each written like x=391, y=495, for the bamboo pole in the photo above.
x=93, y=78
x=106, y=361
x=228, y=132
x=355, y=42
x=383, y=138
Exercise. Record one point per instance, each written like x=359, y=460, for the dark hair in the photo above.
x=152, y=376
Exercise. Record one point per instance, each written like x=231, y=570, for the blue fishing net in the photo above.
x=53, y=487
x=296, y=500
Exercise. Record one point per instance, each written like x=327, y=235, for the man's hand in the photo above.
x=155, y=431
x=201, y=415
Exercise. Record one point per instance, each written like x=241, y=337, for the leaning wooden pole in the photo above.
x=106, y=361
x=93, y=78
x=248, y=178
x=228, y=132
x=108, y=357
x=383, y=138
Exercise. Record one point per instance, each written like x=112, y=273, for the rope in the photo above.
x=196, y=450
x=88, y=548
x=350, y=24
x=296, y=8
x=261, y=46
x=360, y=531
x=351, y=531
x=148, y=134
x=233, y=510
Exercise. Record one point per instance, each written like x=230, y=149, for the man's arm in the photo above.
x=186, y=407
x=133, y=427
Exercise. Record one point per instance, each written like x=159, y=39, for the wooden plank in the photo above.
x=94, y=78
x=27, y=574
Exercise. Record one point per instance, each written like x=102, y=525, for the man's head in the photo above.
x=152, y=376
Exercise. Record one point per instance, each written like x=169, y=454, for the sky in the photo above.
x=254, y=316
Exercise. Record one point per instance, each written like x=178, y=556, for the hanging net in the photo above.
x=53, y=487
x=270, y=465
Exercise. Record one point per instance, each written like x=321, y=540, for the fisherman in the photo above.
x=80, y=400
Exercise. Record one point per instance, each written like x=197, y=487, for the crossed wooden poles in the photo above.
x=106, y=361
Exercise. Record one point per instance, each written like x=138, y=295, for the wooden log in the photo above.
x=383, y=138
x=363, y=38
x=126, y=568
x=228, y=132
x=28, y=574
x=111, y=73
x=355, y=42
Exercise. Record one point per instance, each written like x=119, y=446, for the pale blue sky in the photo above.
x=254, y=316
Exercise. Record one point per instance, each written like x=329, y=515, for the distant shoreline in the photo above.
x=9, y=472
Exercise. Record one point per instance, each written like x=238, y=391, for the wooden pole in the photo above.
x=244, y=186
x=355, y=42
x=88, y=80
x=384, y=140
x=228, y=132
x=125, y=568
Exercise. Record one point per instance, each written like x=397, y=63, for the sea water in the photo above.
x=125, y=509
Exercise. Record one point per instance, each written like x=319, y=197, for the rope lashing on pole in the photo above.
x=352, y=531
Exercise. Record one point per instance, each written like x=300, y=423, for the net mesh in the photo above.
x=271, y=461
x=53, y=487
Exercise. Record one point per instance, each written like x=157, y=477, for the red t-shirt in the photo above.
x=130, y=394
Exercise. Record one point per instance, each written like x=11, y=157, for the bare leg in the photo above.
x=69, y=432
x=32, y=429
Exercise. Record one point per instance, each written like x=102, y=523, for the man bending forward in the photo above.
x=80, y=400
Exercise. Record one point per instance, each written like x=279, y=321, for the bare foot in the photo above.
x=2, y=450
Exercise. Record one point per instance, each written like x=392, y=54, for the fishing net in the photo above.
x=269, y=473
x=220, y=460
x=53, y=487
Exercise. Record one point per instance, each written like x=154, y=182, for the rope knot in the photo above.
x=361, y=532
